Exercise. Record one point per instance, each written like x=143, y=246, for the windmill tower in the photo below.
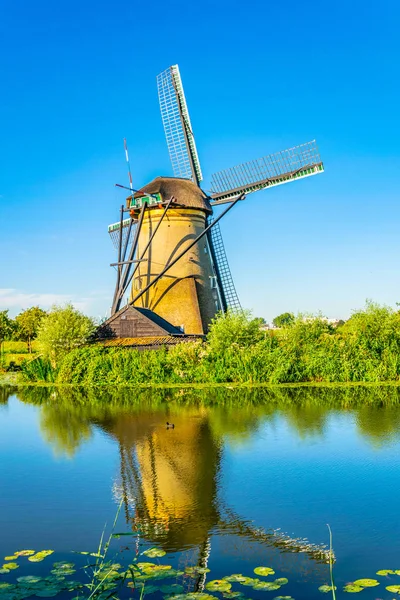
x=171, y=256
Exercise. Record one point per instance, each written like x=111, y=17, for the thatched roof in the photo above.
x=184, y=191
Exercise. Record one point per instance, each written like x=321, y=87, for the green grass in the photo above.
x=365, y=349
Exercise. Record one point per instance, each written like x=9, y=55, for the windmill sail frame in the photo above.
x=177, y=125
x=275, y=169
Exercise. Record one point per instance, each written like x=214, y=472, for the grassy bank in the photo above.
x=365, y=349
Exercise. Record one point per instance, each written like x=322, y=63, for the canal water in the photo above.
x=245, y=478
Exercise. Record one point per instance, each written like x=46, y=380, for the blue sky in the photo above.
x=78, y=77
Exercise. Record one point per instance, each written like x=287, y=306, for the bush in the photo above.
x=62, y=330
x=365, y=349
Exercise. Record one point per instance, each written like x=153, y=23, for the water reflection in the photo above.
x=168, y=478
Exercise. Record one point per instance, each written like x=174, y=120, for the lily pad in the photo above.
x=267, y=586
x=352, y=589
x=385, y=572
x=194, y=571
x=236, y=577
x=24, y=553
x=366, y=582
x=14, y=557
x=11, y=566
x=29, y=579
x=218, y=585
x=39, y=556
x=281, y=581
x=326, y=588
x=232, y=594
x=264, y=571
x=193, y=596
x=146, y=589
x=4, y=571
x=395, y=589
x=47, y=593
x=144, y=565
x=154, y=553
x=174, y=588
x=283, y=598
x=63, y=565
x=4, y=585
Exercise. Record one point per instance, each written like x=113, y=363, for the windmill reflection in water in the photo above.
x=169, y=485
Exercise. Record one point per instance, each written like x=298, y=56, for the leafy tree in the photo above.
x=7, y=327
x=233, y=327
x=28, y=322
x=284, y=320
x=62, y=330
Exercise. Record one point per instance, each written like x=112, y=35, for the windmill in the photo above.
x=171, y=255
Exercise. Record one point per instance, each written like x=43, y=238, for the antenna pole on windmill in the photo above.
x=129, y=166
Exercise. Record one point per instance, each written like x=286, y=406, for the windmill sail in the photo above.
x=114, y=229
x=177, y=125
x=185, y=163
x=228, y=292
x=275, y=169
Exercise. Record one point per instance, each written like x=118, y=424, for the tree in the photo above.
x=28, y=323
x=7, y=327
x=284, y=320
x=62, y=330
x=234, y=328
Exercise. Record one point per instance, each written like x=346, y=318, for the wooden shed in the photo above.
x=132, y=322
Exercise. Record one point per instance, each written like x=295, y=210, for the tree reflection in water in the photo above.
x=169, y=477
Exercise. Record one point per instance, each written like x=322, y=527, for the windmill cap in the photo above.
x=185, y=192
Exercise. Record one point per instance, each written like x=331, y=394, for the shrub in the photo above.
x=62, y=330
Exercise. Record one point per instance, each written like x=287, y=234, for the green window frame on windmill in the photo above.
x=145, y=199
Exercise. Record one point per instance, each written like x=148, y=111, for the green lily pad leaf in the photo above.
x=144, y=565
x=264, y=571
x=232, y=594
x=4, y=585
x=14, y=557
x=29, y=579
x=281, y=581
x=283, y=598
x=218, y=585
x=194, y=571
x=397, y=572
x=249, y=581
x=174, y=588
x=4, y=571
x=145, y=589
x=39, y=556
x=154, y=553
x=236, y=577
x=47, y=593
x=352, y=589
x=63, y=565
x=24, y=553
x=366, y=582
x=395, y=589
x=267, y=586
x=75, y=585
x=11, y=566
x=193, y=596
x=326, y=588
x=385, y=572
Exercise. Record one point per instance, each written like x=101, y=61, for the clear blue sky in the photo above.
x=77, y=77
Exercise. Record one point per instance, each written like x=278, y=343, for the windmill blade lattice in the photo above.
x=230, y=297
x=275, y=169
x=177, y=125
x=113, y=231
